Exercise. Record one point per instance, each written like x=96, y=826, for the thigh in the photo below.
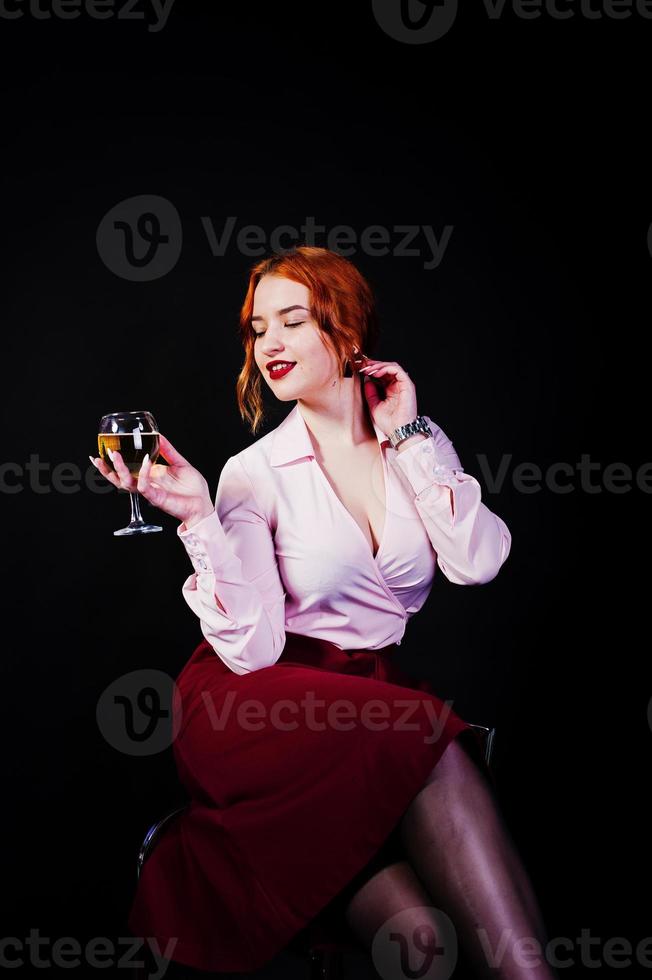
x=393, y=889
x=462, y=760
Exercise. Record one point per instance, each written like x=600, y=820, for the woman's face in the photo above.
x=287, y=332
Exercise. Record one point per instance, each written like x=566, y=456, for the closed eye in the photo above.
x=297, y=324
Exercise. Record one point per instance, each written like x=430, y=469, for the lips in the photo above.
x=280, y=373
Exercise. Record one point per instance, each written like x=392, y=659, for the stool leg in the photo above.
x=326, y=964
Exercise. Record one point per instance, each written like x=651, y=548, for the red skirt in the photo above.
x=298, y=775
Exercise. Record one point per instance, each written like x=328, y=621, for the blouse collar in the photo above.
x=292, y=439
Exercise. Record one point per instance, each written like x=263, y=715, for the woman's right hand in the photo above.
x=178, y=489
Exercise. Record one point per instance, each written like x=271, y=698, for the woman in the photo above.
x=322, y=542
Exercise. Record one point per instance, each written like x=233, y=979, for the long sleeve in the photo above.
x=471, y=541
x=233, y=557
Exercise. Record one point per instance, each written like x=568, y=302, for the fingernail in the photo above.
x=92, y=461
x=110, y=452
x=146, y=458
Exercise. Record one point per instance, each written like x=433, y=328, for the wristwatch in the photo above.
x=405, y=431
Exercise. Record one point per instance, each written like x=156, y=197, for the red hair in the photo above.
x=342, y=303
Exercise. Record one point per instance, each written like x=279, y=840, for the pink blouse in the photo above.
x=282, y=552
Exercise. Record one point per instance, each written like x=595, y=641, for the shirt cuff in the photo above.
x=423, y=467
x=205, y=543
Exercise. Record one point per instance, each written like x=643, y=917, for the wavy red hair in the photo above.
x=342, y=303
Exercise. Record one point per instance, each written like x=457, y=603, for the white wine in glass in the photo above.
x=132, y=434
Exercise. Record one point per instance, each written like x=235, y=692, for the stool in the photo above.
x=324, y=953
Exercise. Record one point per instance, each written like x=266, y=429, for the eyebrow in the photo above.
x=286, y=309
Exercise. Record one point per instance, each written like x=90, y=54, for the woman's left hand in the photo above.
x=399, y=405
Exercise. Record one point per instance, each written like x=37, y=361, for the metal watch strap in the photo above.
x=419, y=424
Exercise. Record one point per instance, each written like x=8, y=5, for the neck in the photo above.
x=340, y=417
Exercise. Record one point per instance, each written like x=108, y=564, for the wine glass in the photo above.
x=132, y=434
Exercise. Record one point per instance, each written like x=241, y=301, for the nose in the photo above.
x=271, y=344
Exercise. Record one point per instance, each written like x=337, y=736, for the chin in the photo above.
x=286, y=389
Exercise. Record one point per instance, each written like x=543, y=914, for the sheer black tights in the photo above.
x=461, y=860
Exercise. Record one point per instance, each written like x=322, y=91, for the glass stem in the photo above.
x=135, y=509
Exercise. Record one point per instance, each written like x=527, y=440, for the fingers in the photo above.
x=127, y=481
x=384, y=371
x=375, y=374
x=121, y=477
x=372, y=365
x=106, y=471
x=170, y=454
x=145, y=486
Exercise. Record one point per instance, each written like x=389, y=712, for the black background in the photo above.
x=529, y=138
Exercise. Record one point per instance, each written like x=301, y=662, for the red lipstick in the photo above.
x=281, y=372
